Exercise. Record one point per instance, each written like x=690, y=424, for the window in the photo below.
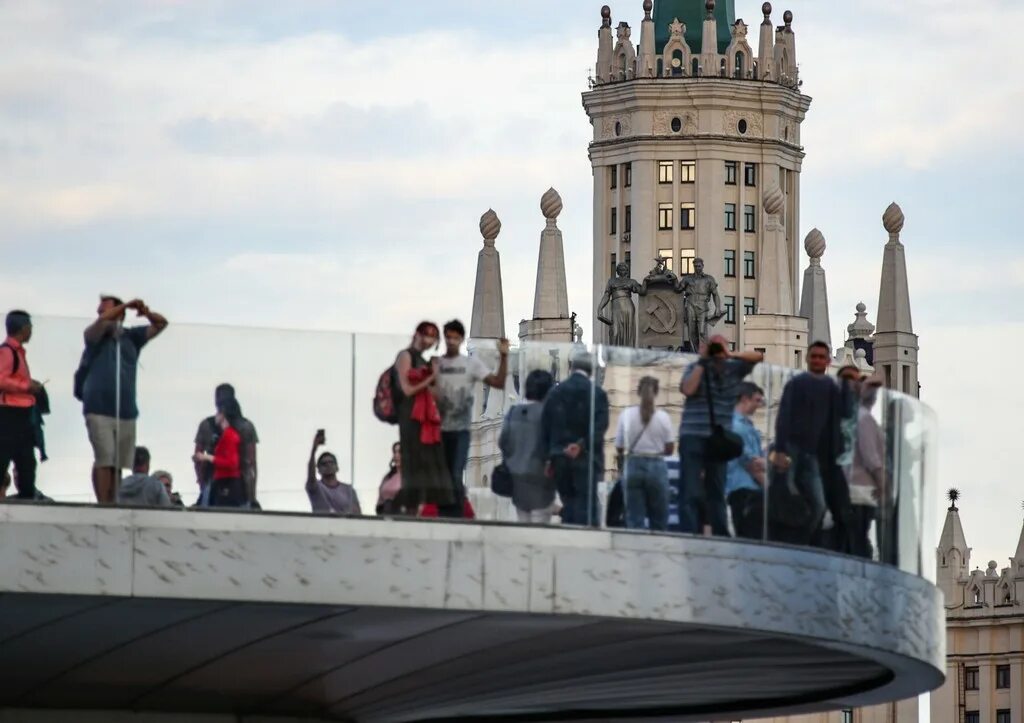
x=628, y=221
x=730, y=173
x=612, y=266
x=665, y=171
x=972, y=716
x=730, y=264
x=613, y=173
x=749, y=306
x=687, y=216
x=730, y=309
x=748, y=264
x=667, y=255
x=739, y=69
x=1002, y=716
x=677, y=125
x=750, y=174
x=627, y=171
x=848, y=715
x=970, y=678
x=613, y=226
x=686, y=257
x=1002, y=677
x=730, y=217
x=687, y=172
x=628, y=261
x=749, y=219
x=665, y=216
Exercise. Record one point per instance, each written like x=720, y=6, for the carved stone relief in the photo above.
x=754, y=121
x=662, y=125
x=608, y=126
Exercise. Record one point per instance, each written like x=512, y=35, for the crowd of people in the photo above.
x=821, y=482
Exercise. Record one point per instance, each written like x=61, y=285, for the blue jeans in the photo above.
x=456, y=454
x=646, y=493
x=701, y=489
x=576, y=481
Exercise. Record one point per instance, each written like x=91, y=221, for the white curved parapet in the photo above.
x=378, y=620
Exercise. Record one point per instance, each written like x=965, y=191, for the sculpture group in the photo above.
x=675, y=311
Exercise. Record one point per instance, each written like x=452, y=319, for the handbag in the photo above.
x=501, y=480
x=723, y=444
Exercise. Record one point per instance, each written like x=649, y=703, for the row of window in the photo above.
x=688, y=217
x=687, y=173
x=686, y=257
x=972, y=677
x=973, y=716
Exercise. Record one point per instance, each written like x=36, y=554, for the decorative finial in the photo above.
x=648, y=6
x=606, y=17
x=676, y=28
x=893, y=219
x=787, y=18
x=490, y=225
x=862, y=308
x=814, y=244
x=953, y=495
x=710, y=5
x=551, y=204
x=773, y=199
x=766, y=9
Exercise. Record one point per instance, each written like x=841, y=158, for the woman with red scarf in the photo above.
x=425, y=476
x=227, y=488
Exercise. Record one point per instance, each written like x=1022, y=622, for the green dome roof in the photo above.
x=692, y=12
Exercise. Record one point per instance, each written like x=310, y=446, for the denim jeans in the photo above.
x=456, y=454
x=577, y=487
x=701, y=489
x=804, y=479
x=646, y=493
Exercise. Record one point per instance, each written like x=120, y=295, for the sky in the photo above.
x=318, y=165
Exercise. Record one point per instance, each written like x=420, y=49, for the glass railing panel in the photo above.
x=292, y=383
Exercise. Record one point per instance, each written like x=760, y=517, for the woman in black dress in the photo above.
x=425, y=476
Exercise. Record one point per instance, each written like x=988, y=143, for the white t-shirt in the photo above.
x=658, y=434
x=457, y=379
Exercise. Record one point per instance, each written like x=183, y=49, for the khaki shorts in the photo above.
x=107, y=434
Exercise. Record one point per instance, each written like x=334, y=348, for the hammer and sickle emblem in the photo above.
x=661, y=317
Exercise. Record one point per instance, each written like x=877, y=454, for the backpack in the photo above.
x=387, y=396
x=17, y=359
x=82, y=372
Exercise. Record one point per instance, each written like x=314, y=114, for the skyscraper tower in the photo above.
x=691, y=131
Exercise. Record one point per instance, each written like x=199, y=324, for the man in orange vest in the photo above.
x=17, y=397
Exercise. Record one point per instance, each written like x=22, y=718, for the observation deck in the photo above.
x=251, y=615
x=210, y=615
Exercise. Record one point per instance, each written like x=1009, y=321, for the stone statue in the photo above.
x=622, y=316
x=660, y=272
x=698, y=290
x=658, y=318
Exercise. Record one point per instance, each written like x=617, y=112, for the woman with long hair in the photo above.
x=391, y=485
x=227, y=488
x=425, y=476
x=644, y=438
x=522, y=450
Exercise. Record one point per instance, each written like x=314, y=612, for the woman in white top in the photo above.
x=645, y=437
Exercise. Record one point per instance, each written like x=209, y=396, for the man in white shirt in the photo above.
x=458, y=376
x=644, y=438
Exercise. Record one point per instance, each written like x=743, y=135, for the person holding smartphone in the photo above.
x=327, y=494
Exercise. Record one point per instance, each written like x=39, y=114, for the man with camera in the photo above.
x=711, y=385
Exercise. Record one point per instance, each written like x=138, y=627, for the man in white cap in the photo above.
x=105, y=383
x=867, y=474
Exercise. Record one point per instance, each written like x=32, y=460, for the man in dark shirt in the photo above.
x=806, y=444
x=573, y=425
x=109, y=365
x=206, y=440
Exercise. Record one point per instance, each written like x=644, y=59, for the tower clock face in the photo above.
x=676, y=63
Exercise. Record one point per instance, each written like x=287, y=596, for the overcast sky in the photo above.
x=324, y=165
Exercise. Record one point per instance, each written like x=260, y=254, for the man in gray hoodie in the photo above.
x=141, y=488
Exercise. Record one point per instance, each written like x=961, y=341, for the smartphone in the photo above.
x=321, y=434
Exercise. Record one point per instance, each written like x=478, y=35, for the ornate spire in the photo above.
x=776, y=295
x=861, y=328
x=692, y=14
x=551, y=298
x=814, y=298
x=954, y=554
x=894, y=294
x=488, y=320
